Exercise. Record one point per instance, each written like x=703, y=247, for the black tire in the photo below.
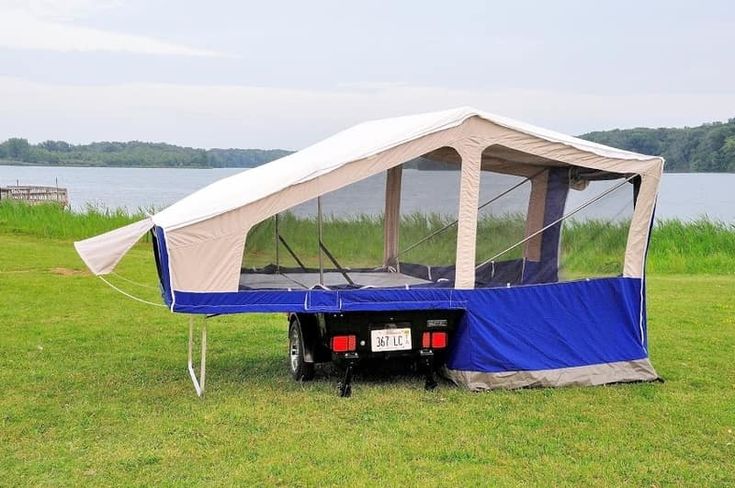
x=300, y=369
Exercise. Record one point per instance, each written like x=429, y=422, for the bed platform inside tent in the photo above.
x=410, y=275
x=275, y=278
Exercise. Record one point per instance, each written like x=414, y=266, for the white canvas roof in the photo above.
x=210, y=225
x=358, y=142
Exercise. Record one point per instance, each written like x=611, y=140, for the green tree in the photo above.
x=17, y=148
x=728, y=153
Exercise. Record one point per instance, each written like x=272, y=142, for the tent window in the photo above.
x=593, y=241
x=373, y=233
x=293, y=251
x=538, y=222
x=576, y=226
x=501, y=222
x=429, y=209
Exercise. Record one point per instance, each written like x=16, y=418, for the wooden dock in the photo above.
x=35, y=194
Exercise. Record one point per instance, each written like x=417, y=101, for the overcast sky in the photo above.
x=273, y=74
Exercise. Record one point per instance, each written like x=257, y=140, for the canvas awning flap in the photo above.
x=102, y=253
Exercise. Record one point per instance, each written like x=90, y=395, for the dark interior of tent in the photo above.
x=535, y=215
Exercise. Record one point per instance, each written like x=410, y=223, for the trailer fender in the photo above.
x=309, y=334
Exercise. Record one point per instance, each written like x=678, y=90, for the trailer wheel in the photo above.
x=300, y=369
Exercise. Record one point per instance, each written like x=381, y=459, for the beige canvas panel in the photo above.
x=488, y=134
x=640, y=226
x=515, y=169
x=392, y=216
x=189, y=267
x=535, y=216
x=469, y=188
x=514, y=157
x=593, y=375
x=491, y=161
x=208, y=265
x=444, y=155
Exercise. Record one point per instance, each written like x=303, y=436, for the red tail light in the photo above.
x=344, y=343
x=438, y=340
x=426, y=340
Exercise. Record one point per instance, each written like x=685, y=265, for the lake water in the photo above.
x=683, y=195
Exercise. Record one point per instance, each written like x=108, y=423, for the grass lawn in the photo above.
x=95, y=392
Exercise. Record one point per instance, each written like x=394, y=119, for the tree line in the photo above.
x=706, y=148
x=131, y=154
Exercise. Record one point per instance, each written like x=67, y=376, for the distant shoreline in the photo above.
x=24, y=164
x=5, y=162
x=708, y=148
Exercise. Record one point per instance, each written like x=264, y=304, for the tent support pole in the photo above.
x=275, y=238
x=319, y=230
x=291, y=252
x=392, y=217
x=336, y=263
x=198, y=383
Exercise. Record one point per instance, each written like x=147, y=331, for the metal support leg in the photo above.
x=430, y=382
x=198, y=383
x=345, y=387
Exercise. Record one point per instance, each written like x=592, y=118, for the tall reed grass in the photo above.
x=55, y=222
x=590, y=247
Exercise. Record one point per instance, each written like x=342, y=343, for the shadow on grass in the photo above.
x=274, y=370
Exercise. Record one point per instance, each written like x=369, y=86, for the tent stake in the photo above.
x=198, y=383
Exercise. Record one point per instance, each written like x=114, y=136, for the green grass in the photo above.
x=95, y=392
x=700, y=247
x=56, y=222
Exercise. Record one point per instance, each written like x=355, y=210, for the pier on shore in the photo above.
x=35, y=194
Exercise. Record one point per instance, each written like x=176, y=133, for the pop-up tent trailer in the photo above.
x=523, y=322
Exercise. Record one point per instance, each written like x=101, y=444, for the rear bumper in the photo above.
x=431, y=354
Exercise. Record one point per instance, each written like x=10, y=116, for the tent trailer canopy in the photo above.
x=523, y=323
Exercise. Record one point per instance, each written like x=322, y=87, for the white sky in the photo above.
x=286, y=74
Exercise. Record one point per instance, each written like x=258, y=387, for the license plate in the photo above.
x=390, y=340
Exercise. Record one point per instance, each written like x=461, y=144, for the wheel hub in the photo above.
x=294, y=350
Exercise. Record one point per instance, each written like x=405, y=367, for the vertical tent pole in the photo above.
x=275, y=239
x=392, y=217
x=319, y=229
x=469, y=195
x=198, y=383
x=535, y=216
